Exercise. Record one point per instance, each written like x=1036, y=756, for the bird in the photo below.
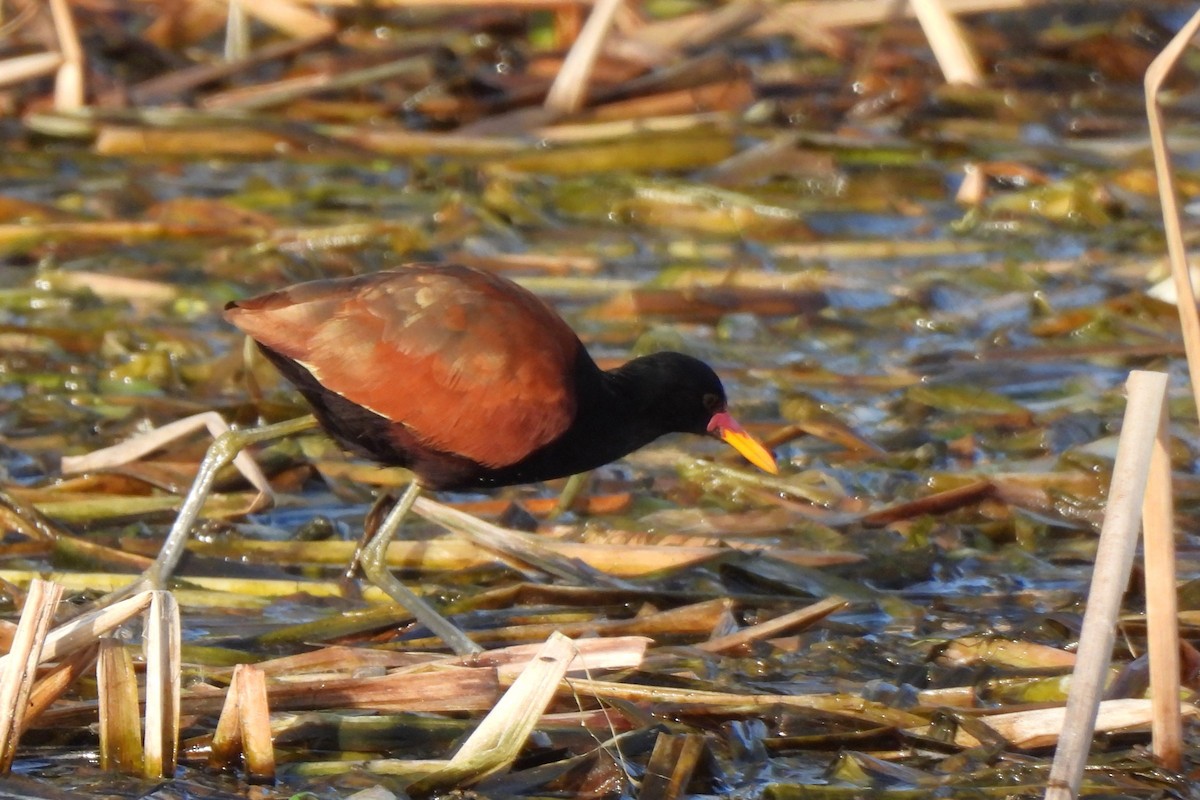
x=472, y=382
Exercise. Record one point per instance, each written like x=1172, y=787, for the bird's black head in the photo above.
x=671, y=392
x=674, y=392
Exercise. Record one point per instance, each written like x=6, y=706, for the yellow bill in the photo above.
x=725, y=428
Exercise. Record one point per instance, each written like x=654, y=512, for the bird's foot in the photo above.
x=373, y=561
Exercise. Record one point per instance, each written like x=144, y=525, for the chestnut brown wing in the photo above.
x=468, y=362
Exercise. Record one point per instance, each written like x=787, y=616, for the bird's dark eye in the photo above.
x=711, y=402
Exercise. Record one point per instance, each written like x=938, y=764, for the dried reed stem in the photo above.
x=949, y=43
x=254, y=719
x=1189, y=319
x=163, y=666
x=68, y=87
x=569, y=90
x=227, y=738
x=503, y=732
x=145, y=443
x=120, y=723
x=1161, y=604
x=1110, y=576
x=20, y=665
x=22, y=68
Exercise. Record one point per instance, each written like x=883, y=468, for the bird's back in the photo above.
x=453, y=361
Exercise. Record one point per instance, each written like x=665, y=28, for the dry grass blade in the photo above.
x=726, y=702
x=227, y=738
x=16, y=236
x=788, y=17
x=591, y=655
x=22, y=68
x=55, y=683
x=237, y=32
x=1044, y=726
x=671, y=765
x=565, y=265
x=948, y=42
x=118, y=140
x=972, y=650
x=722, y=96
x=1110, y=576
x=87, y=628
x=163, y=666
x=1189, y=317
x=211, y=591
x=446, y=689
x=937, y=503
x=694, y=620
x=120, y=722
x=569, y=91
x=763, y=158
x=796, y=619
x=173, y=84
x=22, y=518
x=138, y=446
x=502, y=733
x=32, y=522
x=595, y=131
x=398, y=142
x=708, y=304
x=507, y=543
x=620, y=560
x=1162, y=606
x=68, y=88
x=79, y=551
x=292, y=89
x=289, y=18
x=332, y=658
x=136, y=291
x=20, y=665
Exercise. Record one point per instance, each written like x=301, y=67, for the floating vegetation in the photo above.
x=926, y=298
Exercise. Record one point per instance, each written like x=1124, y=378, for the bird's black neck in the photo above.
x=615, y=415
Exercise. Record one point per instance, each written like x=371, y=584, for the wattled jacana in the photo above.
x=471, y=381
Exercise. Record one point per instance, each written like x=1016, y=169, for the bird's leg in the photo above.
x=373, y=560
x=570, y=493
x=220, y=453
